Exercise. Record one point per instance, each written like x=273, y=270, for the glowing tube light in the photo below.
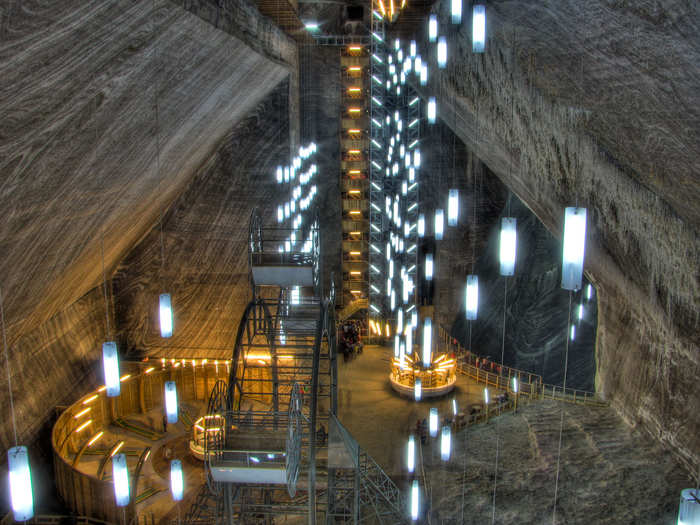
x=439, y=224
x=397, y=343
x=110, y=365
x=417, y=389
x=424, y=74
x=429, y=267
x=580, y=311
x=573, y=332
x=412, y=48
x=120, y=475
x=589, y=292
x=177, y=482
x=171, y=402
x=515, y=385
x=456, y=11
x=486, y=395
x=574, y=242
x=427, y=341
x=421, y=225
x=442, y=52
x=20, y=483
x=452, y=207
x=166, y=316
x=433, y=422
x=479, y=28
x=445, y=443
x=432, y=28
x=415, y=503
x=689, y=509
x=507, y=246
x=472, y=297
x=432, y=110
x=454, y=406
x=411, y=454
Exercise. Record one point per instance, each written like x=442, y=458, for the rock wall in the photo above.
x=203, y=259
x=642, y=248
x=78, y=152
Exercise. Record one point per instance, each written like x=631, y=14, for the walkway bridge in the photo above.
x=269, y=426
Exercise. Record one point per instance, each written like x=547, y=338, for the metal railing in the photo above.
x=500, y=376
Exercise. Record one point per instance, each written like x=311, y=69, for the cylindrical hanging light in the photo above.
x=472, y=297
x=411, y=454
x=427, y=341
x=432, y=110
x=573, y=332
x=508, y=245
x=573, y=248
x=689, y=509
x=417, y=389
x=442, y=52
x=171, y=402
x=421, y=225
x=486, y=395
x=166, y=315
x=456, y=11
x=445, y=443
x=478, y=28
x=433, y=421
x=424, y=74
x=439, y=224
x=20, y=483
x=429, y=267
x=589, y=292
x=452, y=207
x=415, y=503
x=177, y=480
x=120, y=476
x=432, y=28
x=110, y=365
x=515, y=385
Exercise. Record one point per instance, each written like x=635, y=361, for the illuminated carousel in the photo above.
x=410, y=377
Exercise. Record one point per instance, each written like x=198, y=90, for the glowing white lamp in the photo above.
x=411, y=454
x=427, y=341
x=486, y=395
x=424, y=74
x=110, y=365
x=417, y=389
x=580, y=311
x=432, y=110
x=429, y=267
x=171, y=402
x=415, y=503
x=20, y=483
x=507, y=245
x=573, y=332
x=439, y=224
x=589, y=291
x=421, y=225
x=472, y=297
x=120, y=475
x=452, y=207
x=432, y=28
x=456, y=11
x=433, y=421
x=177, y=481
x=442, y=52
x=689, y=510
x=166, y=315
x=454, y=407
x=397, y=343
x=574, y=242
x=515, y=385
x=479, y=28
x=412, y=48
x=409, y=339
x=445, y=443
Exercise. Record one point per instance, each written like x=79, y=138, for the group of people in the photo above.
x=349, y=340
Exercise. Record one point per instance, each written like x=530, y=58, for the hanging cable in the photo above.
x=561, y=422
x=7, y=367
